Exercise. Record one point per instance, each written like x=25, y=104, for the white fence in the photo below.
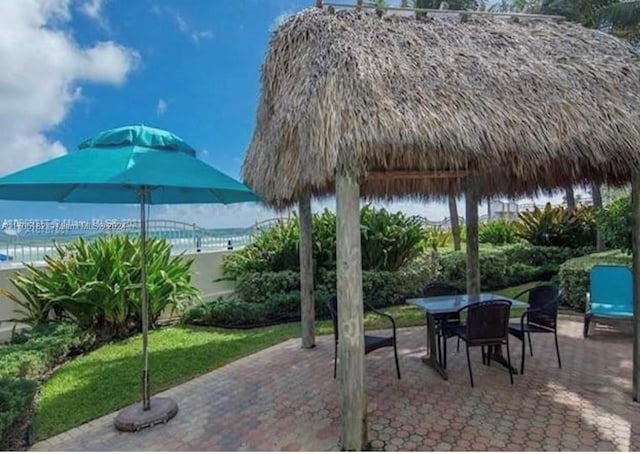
x=29, y=244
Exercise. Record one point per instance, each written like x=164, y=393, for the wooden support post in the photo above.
x=307, y=309
x=473, y=254
x=635, y=208
x=351, y=372
x=455, y=221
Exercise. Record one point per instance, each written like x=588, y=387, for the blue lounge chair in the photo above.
x=610, y=296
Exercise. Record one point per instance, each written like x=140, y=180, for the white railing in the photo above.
x=30, y=246
x=27, y=245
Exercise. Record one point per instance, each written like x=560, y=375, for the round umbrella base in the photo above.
x=134, y=418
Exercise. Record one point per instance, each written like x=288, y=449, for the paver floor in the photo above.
x=285, y=398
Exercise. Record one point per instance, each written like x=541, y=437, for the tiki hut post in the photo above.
x=473, y=254
x=351, y=373
x=307, y=309
x=635, y=198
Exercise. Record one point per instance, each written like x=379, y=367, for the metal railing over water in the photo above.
x=29, y=240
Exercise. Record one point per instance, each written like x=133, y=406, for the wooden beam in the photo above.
x=351, y=367
x=416, y=174
x=473, y=253
x=307, y=309
x=635, y=209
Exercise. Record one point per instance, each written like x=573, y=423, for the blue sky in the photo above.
x=77, y=67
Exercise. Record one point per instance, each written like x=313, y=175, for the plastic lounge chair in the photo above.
x=610, y=295
x=371, y=343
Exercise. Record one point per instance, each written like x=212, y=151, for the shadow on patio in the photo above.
x=284, y=398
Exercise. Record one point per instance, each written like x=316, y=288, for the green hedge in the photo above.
x=16, y=411
x=277, y=308
x=574, y=275
x=508, y=265
x=493, y=269
x=34, y=352
x=27, y=359
x=272, y=297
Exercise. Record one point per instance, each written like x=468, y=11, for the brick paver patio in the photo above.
x=284, y=398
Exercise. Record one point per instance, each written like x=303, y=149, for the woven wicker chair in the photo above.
x=487, y=325
x=541, y=317
x=371, y=343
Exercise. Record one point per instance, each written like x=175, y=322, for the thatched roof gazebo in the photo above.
x=389, y=107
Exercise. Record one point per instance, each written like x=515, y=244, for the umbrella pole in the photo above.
x=136, y=417
x=144, y=303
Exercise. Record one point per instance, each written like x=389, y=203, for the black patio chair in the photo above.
x=445, y=324
x=371, y=343
x=540, y=317
x=487, y=325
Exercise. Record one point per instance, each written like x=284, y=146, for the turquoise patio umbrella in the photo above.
x=131, y=164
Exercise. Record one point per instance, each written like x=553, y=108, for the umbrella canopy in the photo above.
x=114, y=165
x=132, y=164
x=410, y=106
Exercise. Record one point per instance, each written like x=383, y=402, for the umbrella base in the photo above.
x=134, y=418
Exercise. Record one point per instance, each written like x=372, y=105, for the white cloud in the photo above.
x=93, y=9
x=161, y=107
x=182, y=24
x=42, y=69
x=199, y=36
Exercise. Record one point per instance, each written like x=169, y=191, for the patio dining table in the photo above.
x=440, y=307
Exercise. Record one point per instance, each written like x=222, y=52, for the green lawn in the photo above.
x=109, y=378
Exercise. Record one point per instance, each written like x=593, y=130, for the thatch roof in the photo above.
x=526, y=105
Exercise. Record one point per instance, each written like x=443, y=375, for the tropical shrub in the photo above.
x=389, y=241
x=279, y=308
x=96, y=284
x=573, y=276
x=493, y=269
x=28, y=359
x=256, y=287
x=498, y=232
x=268, y=298
x=32, y=353
x=615, y=223
x=436, y=238
x=16, y=411
x=557, y=226
x=529, y=263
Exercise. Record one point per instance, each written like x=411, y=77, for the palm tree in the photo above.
x=570, y=198
x=455, y=221
x=622, y=19
x=596, y=197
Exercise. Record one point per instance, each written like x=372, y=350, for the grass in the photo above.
x=108, y=378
